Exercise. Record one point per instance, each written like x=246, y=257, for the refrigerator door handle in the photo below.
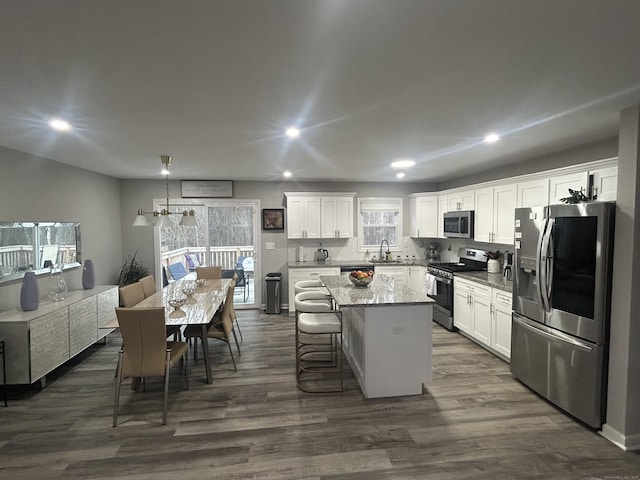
x=555, y=335
x=545, y=262
x=541, y=266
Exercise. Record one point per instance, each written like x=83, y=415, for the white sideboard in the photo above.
x=39, y=341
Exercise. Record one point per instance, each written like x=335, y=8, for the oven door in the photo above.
x=443, y=295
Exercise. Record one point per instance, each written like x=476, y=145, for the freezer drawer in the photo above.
x=567, y=371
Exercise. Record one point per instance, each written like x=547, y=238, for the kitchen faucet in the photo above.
x=387, y=253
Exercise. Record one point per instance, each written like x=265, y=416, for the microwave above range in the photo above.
x=458, y=224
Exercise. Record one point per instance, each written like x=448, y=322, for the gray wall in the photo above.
x=38, y=189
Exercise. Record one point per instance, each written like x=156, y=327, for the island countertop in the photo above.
x=382, y=291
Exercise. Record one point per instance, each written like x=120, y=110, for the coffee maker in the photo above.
x=507, y=262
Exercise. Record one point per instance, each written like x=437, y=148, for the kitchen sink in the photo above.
x=383, y=261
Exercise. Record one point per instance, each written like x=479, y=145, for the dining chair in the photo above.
x=314, y=319
x=131, y=295
x=233, y=313
x=146, y=352
x=209, y=272
x=149, y=286
x=220, y=328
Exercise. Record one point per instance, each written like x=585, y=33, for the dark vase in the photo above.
x=88, y=275
x=29, y=292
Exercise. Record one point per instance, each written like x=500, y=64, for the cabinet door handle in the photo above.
x=491, y=309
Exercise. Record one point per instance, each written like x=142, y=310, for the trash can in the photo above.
x=273, y=292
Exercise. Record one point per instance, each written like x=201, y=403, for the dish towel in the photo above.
x=430, y=284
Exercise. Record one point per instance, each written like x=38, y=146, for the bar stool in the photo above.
x=315, y=318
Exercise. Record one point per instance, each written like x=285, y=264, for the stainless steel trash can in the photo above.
x=273, y=292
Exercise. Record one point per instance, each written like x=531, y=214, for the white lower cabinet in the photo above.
x=471, y=308
x=297, y=274
x=483, y=313
x=501, y=322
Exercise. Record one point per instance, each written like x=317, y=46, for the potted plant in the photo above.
x=132, y=270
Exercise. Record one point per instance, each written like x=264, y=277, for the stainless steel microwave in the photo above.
x=458, y=224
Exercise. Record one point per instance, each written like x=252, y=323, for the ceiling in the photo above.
x=215, y=84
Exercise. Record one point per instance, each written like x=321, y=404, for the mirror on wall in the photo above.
x=37, y=246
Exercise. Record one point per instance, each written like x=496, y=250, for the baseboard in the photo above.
x=627, y=443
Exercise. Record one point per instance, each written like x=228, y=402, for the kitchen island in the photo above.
x=386, y=334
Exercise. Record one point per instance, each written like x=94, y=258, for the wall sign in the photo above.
x=206, y=188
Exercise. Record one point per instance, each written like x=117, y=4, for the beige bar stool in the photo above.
x=315, y=357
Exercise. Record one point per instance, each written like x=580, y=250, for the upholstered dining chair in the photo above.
x=220, y=328
x=149, y=286
x=131, y=295
x=209, y=272
x=145, y=351
x=315, y=319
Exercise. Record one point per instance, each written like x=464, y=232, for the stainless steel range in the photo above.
x=439, y=282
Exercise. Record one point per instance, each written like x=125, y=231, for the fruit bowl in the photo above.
x=361, y=281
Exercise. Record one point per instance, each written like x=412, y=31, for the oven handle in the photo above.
x=442, y=279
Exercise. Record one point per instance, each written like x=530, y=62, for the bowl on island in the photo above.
x=200, y=282
x=360, y=278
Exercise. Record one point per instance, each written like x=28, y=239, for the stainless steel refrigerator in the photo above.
x=561, y=305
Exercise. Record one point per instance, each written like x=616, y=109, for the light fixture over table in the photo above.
x=161, y=218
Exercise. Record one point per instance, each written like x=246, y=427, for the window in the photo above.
x=379, y=219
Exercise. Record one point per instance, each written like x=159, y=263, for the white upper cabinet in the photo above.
x=424, y=216
x=443, y=205
x=319, y=215
x=337, y=217
x=605, y=184
x=494, y=209
x=303, y=217
x=463, y=200
x=534, y=193
x=559, y=186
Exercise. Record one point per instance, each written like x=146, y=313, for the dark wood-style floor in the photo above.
x=475, y=421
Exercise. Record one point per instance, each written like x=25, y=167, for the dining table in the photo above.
x=201, y=303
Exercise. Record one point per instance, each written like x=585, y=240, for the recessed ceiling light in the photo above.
x=400, y=175
x=491, y=138
x=287, y=174
x=403, y=163
x=292, y=132
x=59, y=125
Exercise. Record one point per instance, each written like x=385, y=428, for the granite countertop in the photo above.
x=382, y=291
x=497, y=280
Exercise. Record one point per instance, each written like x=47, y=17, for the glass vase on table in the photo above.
x=57, y=285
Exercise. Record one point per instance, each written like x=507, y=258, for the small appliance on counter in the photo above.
x=321, y=255
x=300, y=253
x=507, y=262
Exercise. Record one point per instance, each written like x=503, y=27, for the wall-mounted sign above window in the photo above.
x=206, y=188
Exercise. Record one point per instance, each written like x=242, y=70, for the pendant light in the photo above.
x=161, y=218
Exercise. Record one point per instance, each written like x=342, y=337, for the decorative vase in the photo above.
x=57, y=286
x=29, y=292
x=88, y=275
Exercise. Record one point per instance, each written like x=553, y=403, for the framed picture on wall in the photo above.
x=273, y=219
